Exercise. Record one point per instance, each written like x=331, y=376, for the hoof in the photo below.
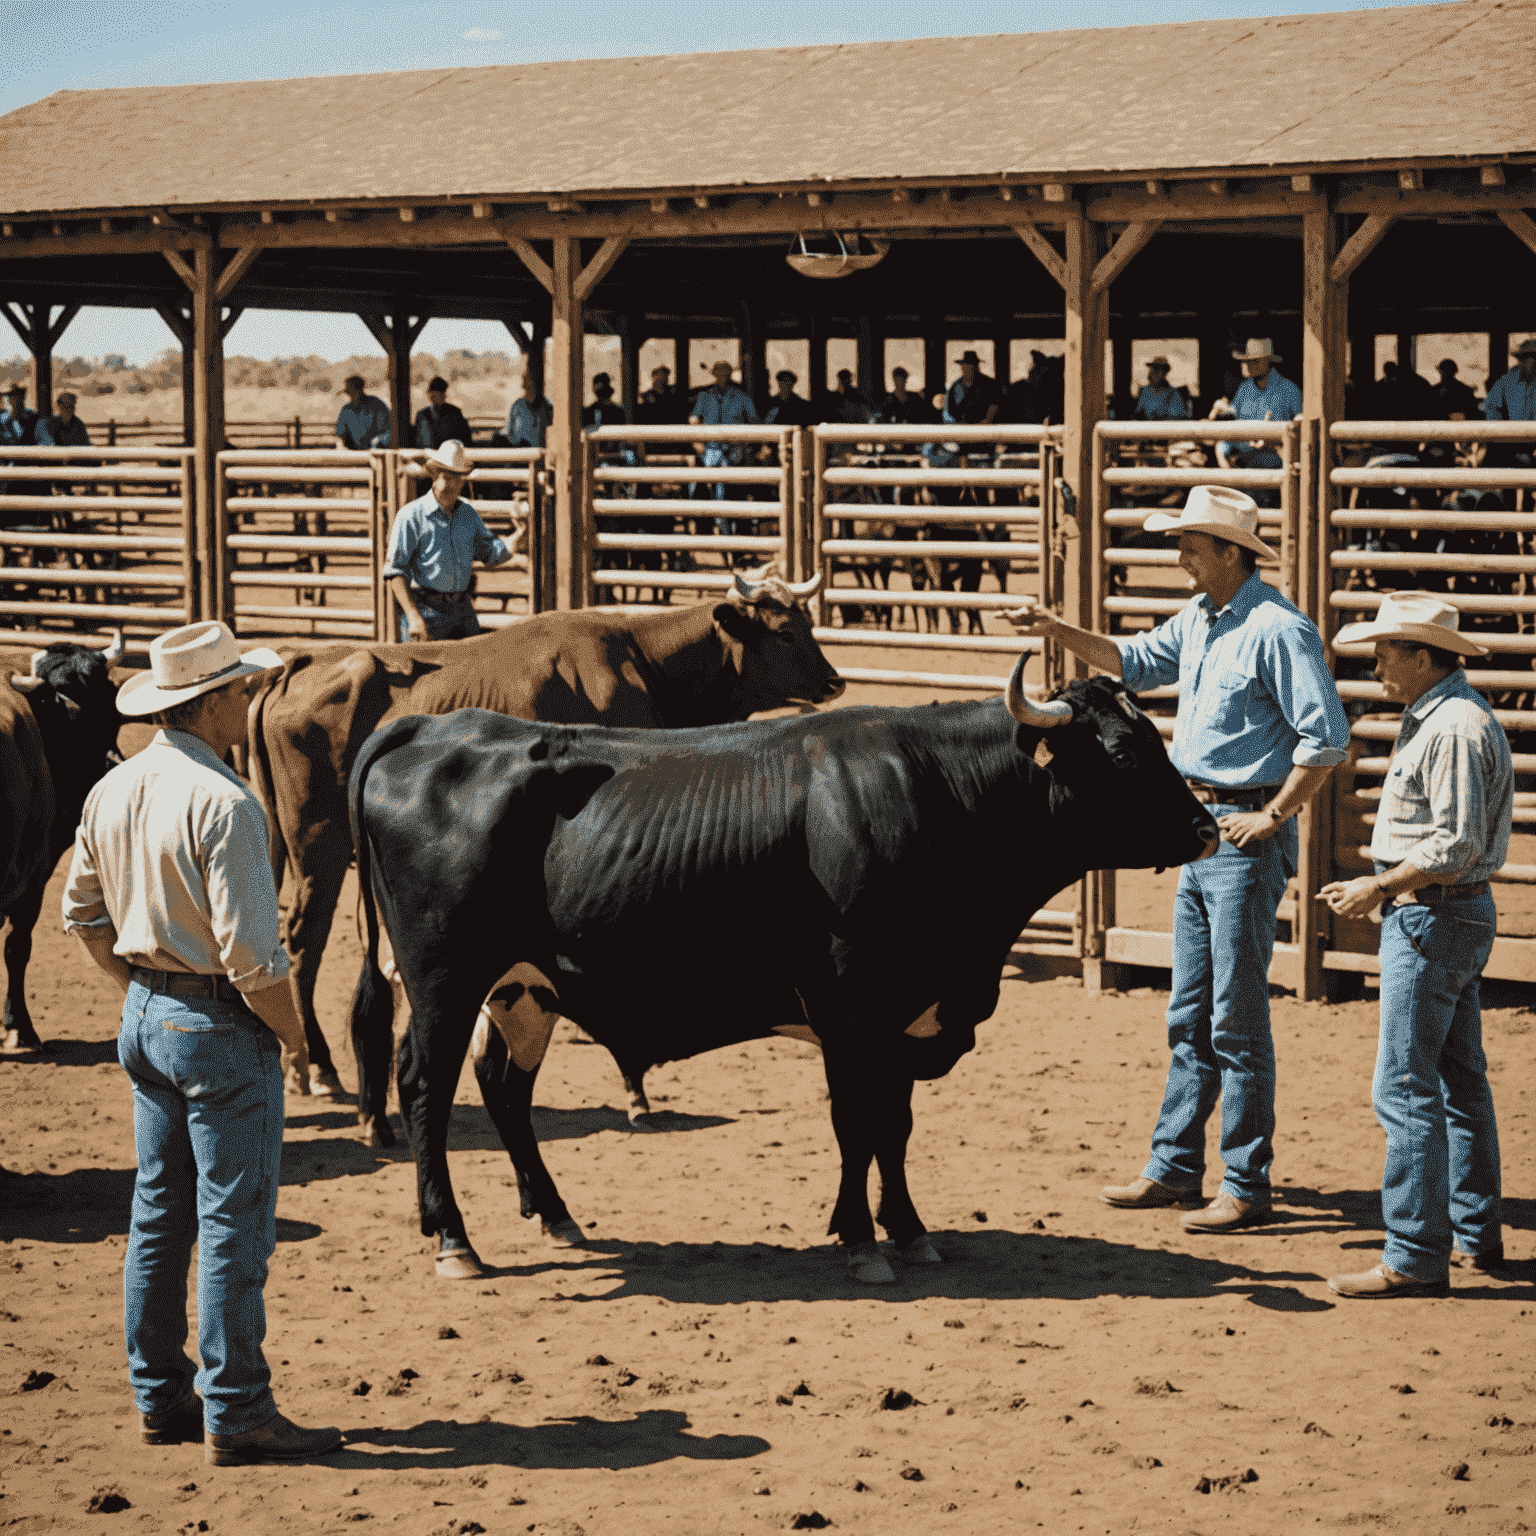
x=639, y=1108
x=295, y=1086
x=376, y=1133
x=869, y=1266
x=563, y=1234
x=19, y=1044
x=640, y=1120
x=323, y=1083
x=460, y=1264
x=921, y=1251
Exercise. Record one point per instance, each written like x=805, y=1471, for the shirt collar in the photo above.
x=194, y=746
x=1242, y=602
x=1452, y=685
x=434, y=506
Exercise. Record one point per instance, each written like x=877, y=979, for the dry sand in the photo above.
x=705, y=1366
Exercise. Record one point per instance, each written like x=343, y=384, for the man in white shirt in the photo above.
x=171, y=893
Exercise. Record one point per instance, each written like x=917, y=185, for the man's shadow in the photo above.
x=652, y=1436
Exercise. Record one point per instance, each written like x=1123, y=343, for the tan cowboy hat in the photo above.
x=1221, y=512
x=450, y=456
x=1257, y=349
x=185, y=662
x=1417, y=616
x=1526, y=347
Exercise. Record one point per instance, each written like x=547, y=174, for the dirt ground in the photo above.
x=705, y=1366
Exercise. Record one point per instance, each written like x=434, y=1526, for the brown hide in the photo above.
x=26, y=799
x=683, y=667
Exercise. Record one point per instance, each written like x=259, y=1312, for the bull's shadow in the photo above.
x=67, y=1053
x=996, y=1265
x=652, y=1436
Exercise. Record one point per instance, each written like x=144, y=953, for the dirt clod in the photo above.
x=445, y=1332
x=895, y=1398
x=811, y=1520
x=911, y=1474
x=1457, y=1471
x=37, y=1380
x=107, y=1501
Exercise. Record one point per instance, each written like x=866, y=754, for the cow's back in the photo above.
x=26, y=798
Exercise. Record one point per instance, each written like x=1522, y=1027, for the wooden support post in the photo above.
x=1087, y=323
x=1498, y=348
x=630, y=341
x=871, y=349
x=397, y=335
x=1407, y=358
x=682, y=364
x=933, y=357
x=207, y=414
x=754, y=356
x=179, y=323
x=564, y=387
x=40, y=333
x=816, y=385
x=1362, y=355
x=1120, y=380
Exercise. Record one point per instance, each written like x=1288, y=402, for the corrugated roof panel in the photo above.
x=1386, y=84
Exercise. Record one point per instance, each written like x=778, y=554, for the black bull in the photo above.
x=886, y=859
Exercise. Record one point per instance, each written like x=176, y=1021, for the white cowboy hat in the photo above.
x=1257, y=349
x=185, y=662
x=1417, y=616
x=1220, y=512
x=450, y=456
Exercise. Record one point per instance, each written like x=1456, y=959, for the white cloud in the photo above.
x=482, y=35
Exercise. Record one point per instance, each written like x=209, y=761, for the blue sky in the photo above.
x=53, y=45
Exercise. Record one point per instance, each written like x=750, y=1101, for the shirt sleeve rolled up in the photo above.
x=84, y=905
x=1298, y=679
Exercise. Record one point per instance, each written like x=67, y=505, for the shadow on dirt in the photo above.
x=652, y=1436
x=68, y=1053
x=1360, y=1210
x=996, y=1265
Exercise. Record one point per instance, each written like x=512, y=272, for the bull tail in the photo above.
x=258, y=767
x=373, y=1004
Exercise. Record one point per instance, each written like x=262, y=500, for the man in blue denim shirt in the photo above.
x=1442, y=829
x=170, y=891
x=1259, y=729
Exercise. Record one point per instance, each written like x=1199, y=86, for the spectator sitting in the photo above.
x=531, y=416
x=438, y=421
x=661, y=405
x=901, y=406
x=605, y=411
x=845, y=403
x=1454, y=401
x=973, y=397
x=1264, y=395
x=364, y=420
x=65, y=430
x=432, y=549
x=1159, y=400
x=1512, y=397
x=18, y=425
x=785, y=407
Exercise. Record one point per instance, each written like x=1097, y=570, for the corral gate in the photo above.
x=101, y=538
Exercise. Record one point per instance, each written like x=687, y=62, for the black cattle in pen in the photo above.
x=58, y=736
x=885, y=859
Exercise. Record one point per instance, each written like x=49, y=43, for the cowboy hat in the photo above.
x=1417, y=616
x=438, y=386
x=1220, y=512
x=1158, y=362
x=197, y=658
x=17, y=388
x=969, y=356
x=1525, y=347
x=1257, y=349
x=449, y=455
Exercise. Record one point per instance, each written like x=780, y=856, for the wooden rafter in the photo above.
x=1521, y=224
x=600, y=265
x=1044, y=252
x=535, y=263
x=236, y=268
x=180, y=268
x=178, y=321
x=1360, y=245
x=227, y=321
x=1123, y=253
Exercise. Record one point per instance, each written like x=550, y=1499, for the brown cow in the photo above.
x=701, y=665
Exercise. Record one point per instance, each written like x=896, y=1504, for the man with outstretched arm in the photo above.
x=1259, y=729
x=1442, y=828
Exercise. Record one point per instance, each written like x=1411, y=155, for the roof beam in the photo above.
x=1520, y=224
x=1491, y=176
x=1044, y=252
x=1431, y=202
x=1360, y=245
x=599, y=267
x=181, y=269
x=239, y=264
x=177, y=321
x=1122, y=254
x=531, y=259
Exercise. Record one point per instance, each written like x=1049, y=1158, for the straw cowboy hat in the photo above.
x=1257, y=349
x=450, y=456
x=1417, y=616
x=197, y=658
x=1220, y=512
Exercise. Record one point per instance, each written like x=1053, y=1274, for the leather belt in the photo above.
x=186, y=984
x=431, y=595
x=1254, y=799
x=1434, y=895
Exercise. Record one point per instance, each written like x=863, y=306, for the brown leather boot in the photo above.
x=279, y=1439
x=1146, y=1194
x=1226, y=1213
x=173, y=1426
x=1381, y=1282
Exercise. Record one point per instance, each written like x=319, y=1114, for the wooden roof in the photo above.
x=1354, y=88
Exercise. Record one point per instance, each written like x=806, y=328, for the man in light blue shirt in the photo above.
x=1259, y=729
x=432, y=550
x=724, y=404
x=1512, y=396
x=531, y=415
x=1159, y=400
x=1264, y=395
x=364, y=419
x=1442, y=829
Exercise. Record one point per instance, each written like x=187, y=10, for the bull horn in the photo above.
x=114, y=652
x=37, y=656
x=747, y=591
x=24, y=684
x=804, y=589
x=1043, y=717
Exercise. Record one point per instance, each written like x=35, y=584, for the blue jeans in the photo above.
x=208, y=1130
x=1431, y=1091
x=1218, y=1016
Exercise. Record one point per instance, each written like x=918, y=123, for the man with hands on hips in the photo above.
x=1259, y=729
x=1442, y=828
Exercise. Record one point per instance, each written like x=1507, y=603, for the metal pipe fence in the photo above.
x=96, y=538
x=743, y=512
